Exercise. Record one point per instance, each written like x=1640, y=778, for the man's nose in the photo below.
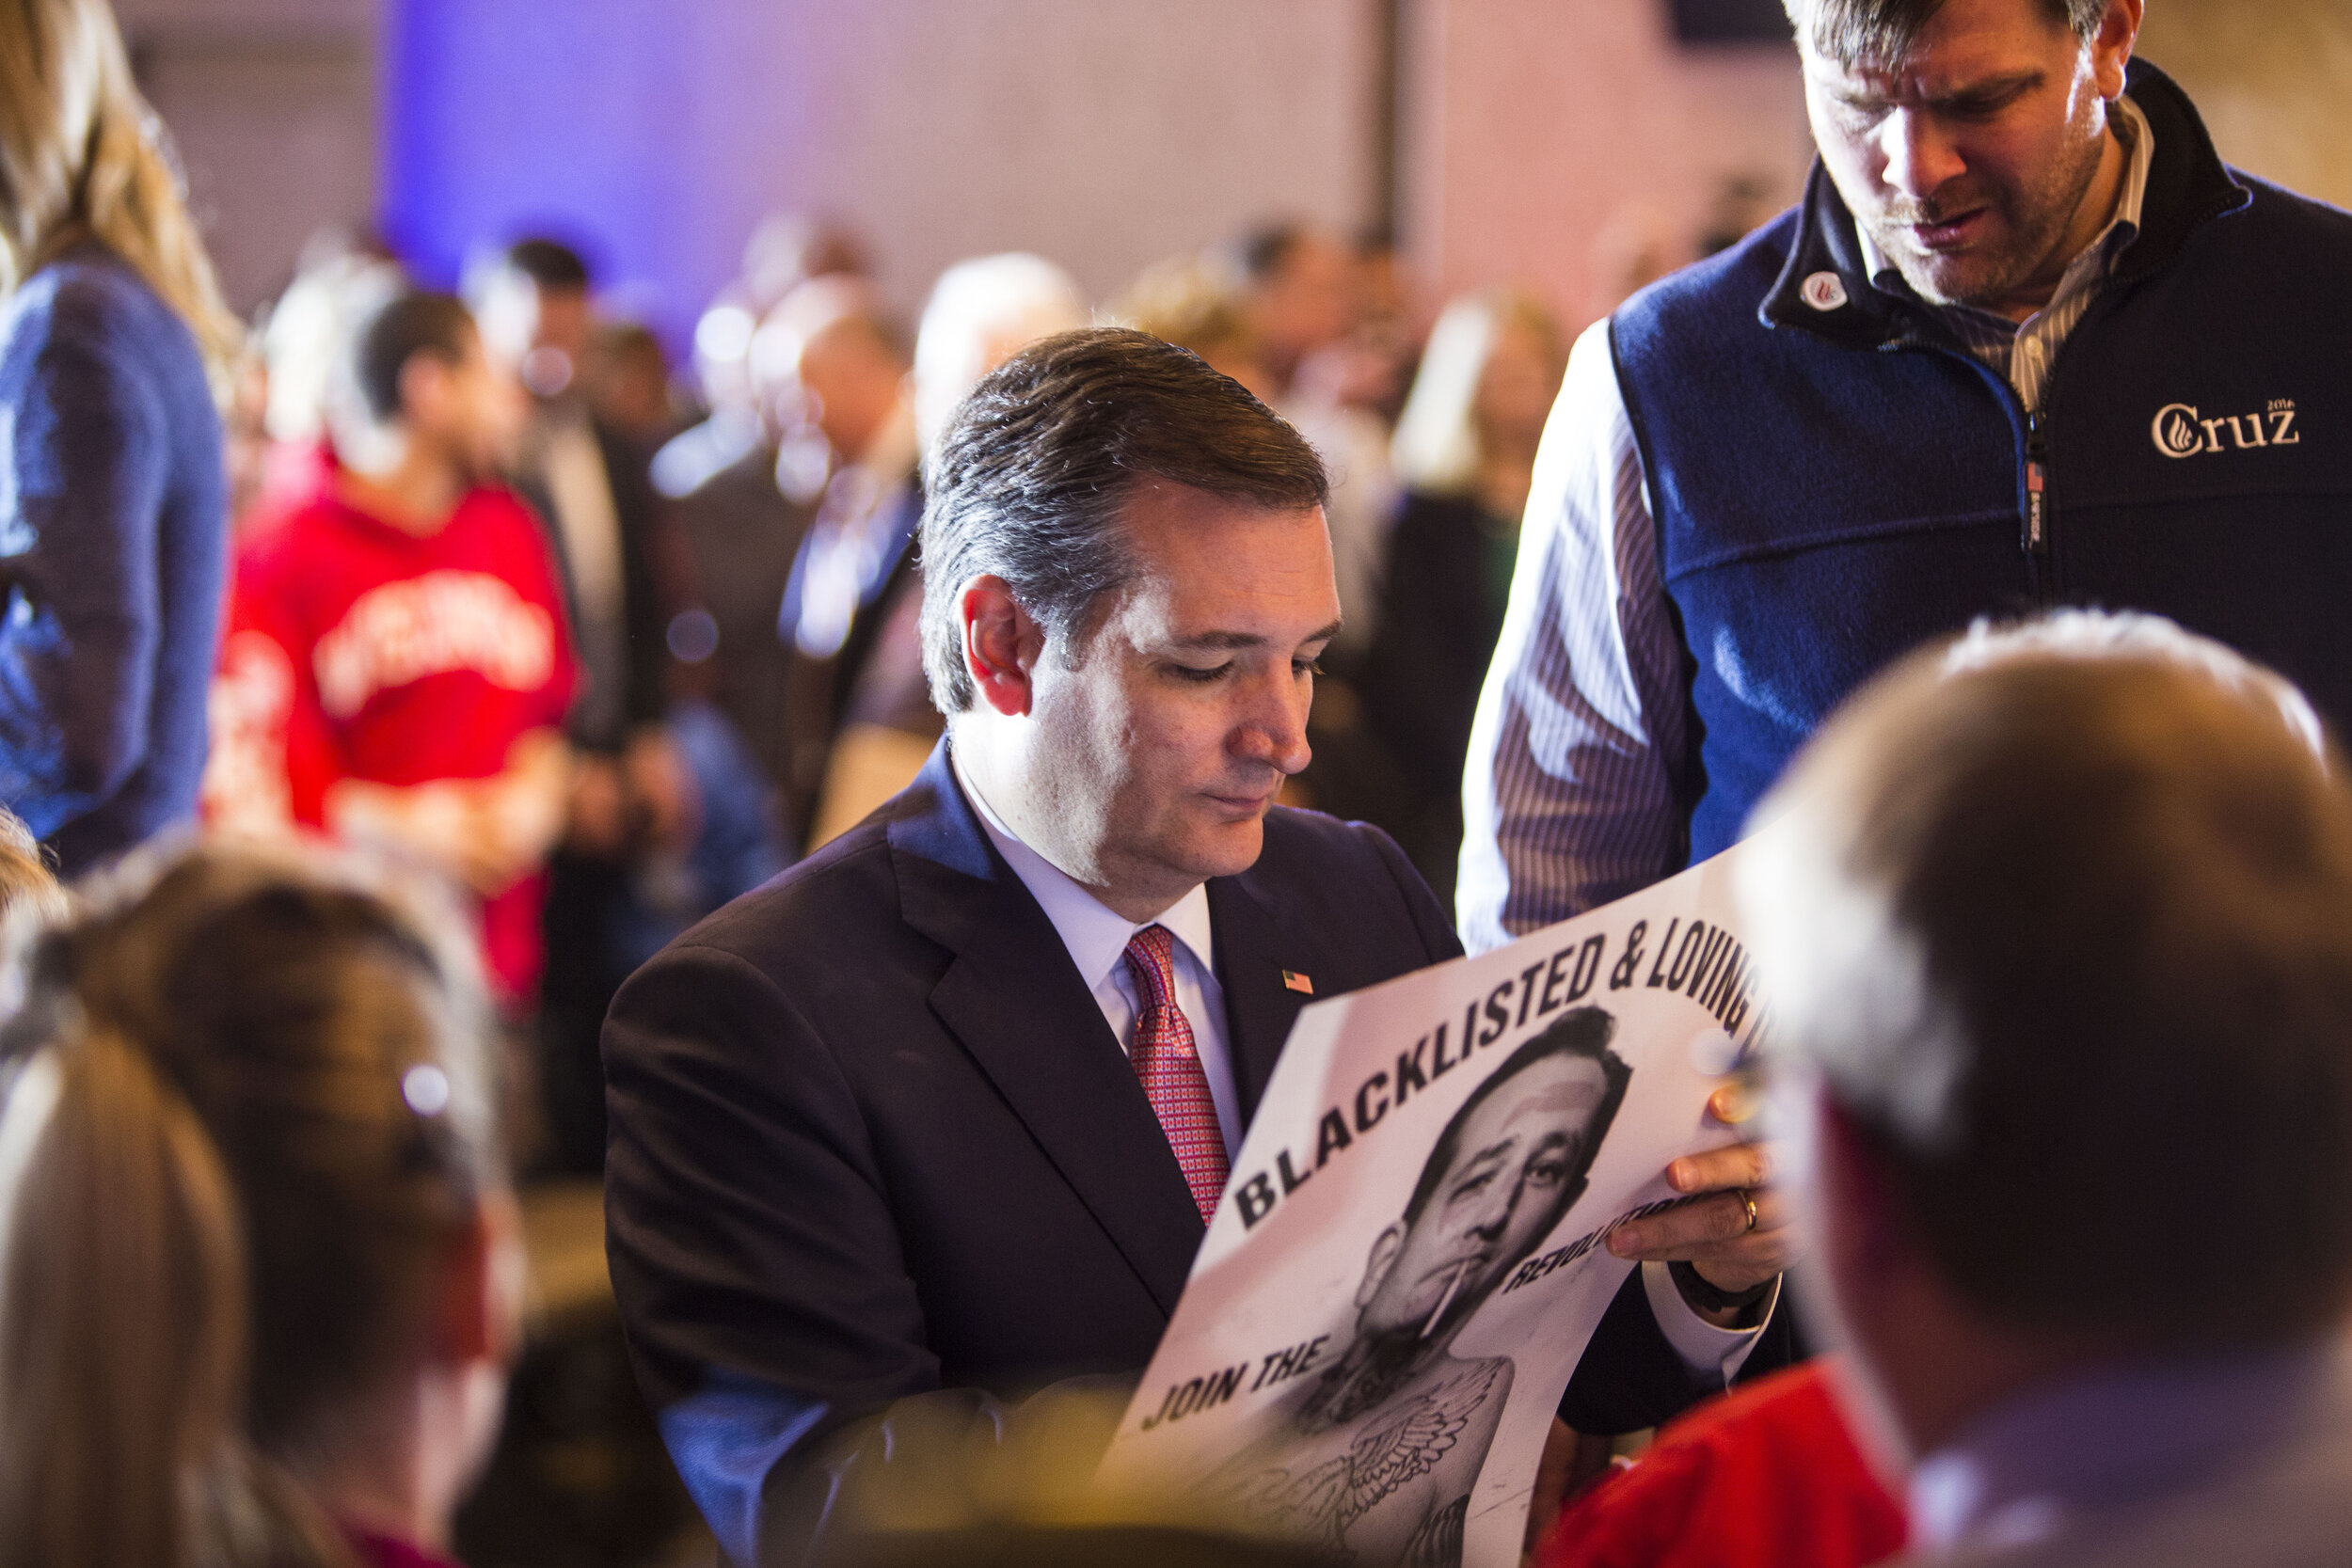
x=1274, y=731
x=1501, y=1201
x=1920, y=155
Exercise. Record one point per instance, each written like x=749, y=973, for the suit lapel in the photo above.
x=1253, y=949
x=1015, y=1001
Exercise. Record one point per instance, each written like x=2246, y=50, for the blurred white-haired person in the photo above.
x=1465, y=453
x=981, y=312
x=305, y=343
x=841, y=367
x=2056, y=923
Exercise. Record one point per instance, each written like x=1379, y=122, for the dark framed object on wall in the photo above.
x=1729, y=21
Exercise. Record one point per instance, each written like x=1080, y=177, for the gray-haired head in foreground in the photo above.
x=1031, y=479
x=2060, y=916
x=1852, y=31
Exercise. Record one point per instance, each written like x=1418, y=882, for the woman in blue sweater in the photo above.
x=113, y=509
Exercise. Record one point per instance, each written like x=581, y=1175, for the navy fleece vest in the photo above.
x=1834, y=486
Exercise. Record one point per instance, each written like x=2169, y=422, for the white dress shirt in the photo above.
x=1097, y=938
x=580, y=491
x=1568, y=799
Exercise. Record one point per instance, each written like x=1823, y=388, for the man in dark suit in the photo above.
x=945, y=1105
x=633, y=794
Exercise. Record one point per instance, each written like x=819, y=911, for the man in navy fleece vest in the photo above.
x=2026, y=342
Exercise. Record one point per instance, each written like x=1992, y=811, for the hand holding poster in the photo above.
x=1409, y=1258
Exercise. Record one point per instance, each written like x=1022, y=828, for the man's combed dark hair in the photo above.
x=1032, y=477
x=550, y=264
x=403, y=327
x=1852, y=31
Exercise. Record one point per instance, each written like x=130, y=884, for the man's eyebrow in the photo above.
x=1239, y=640
x=1992, y=86
x=1500, y=1150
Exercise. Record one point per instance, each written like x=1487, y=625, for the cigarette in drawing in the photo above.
x=1452, y=1283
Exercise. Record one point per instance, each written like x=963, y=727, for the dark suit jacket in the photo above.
x=649, y=560
x=871, y=1136
x=743, y=535
x=819, y=695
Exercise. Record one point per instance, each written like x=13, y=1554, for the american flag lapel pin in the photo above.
x=1292, y=980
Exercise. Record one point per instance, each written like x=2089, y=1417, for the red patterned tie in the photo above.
x=1164, y=1058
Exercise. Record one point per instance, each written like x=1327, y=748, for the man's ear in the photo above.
x=1867, y=1234
x=1384, y=1250
x=2111, y=46
x=1002, y=645
x=477, y=1308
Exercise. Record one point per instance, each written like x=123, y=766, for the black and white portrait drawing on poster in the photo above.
x=1375, y=1458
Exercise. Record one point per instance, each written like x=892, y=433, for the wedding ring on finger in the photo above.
x=1748, y=1198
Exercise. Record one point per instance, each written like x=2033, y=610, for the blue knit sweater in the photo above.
x=113, y=548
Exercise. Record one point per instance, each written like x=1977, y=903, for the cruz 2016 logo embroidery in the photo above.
x=2180, y=431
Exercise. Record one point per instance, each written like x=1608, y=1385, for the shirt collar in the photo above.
x=1095, y=934
x=2140, y=143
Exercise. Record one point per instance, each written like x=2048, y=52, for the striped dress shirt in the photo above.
x=1570, y=800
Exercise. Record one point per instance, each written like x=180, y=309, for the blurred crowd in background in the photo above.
x=600, y=634
x=735, y=537
x=734, y=542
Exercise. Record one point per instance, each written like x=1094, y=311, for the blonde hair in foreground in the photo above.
x=246, y=1121
x=83, y=156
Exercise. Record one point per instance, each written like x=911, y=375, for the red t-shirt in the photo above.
x=357, y=650
x=382, y=1551
x=1767, y=1477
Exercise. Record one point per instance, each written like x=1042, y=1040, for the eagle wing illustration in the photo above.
x=1391, y=1452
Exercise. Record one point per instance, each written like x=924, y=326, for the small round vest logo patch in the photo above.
x=1825, y=290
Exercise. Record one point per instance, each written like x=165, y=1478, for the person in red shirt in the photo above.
x=396, y=662
x=1767, y=1477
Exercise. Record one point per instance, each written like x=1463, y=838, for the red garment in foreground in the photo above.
x=1768, y=1476
x=382, y=1551
x=357, y=650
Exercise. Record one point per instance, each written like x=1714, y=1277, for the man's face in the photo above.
x=1509, y=1183
x=1312, y=299
x=538, y=336
x=1967, y=161
x=1160, y=741
x=850, y=382
x=471, y=411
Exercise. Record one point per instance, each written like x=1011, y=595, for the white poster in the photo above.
x=1407, y=1260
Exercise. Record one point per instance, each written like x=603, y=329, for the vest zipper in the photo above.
x=2033, y=528
x=2035, y=534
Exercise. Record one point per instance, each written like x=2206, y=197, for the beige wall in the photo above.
x=1548, y=140
x=271, y=103
x=2274, y=79
x=1105, y=133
